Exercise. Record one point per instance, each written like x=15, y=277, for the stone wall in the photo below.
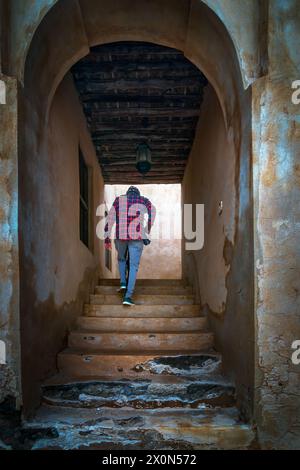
x=276, y=138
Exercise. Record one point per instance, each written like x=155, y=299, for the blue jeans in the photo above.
x=135, y=248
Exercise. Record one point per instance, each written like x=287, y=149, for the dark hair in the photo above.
x=133, y=189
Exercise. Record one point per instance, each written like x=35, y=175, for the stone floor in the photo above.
x=163, y=429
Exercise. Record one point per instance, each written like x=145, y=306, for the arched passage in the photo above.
x=198, y=33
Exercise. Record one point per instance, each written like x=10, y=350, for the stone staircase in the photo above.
x=141, y=377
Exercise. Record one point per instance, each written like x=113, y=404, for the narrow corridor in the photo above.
x=97, y=96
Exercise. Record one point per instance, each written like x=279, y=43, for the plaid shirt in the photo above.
x=128, y=213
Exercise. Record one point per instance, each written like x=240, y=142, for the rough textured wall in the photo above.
x=276, y=137
x=57, y=270
x=162, y=258
x=248, y=39
x=25, y=16
x=9, y=249
x=219, y=171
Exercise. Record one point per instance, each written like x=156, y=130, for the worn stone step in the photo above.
x=148, y=289
x=141, y=394
x=135, y=341
x=130, y=429
x=144, y=299
x=74, y=363
x=160, y=311
x=142, y=324
x=146, y=282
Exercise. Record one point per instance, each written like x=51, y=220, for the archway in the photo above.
x=202, y=37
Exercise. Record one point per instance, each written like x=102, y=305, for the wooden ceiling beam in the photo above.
x=145, y=112
x=144, y=83
x=131, y=163
x=136, y=180
x=155, y=146
x=83, y=73
x=194, y=99
x=165, y=127
x=135, y=172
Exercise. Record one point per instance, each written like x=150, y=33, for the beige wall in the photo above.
x=162, y=258
x=221, y=273
x=209, y=180
x=58, y=270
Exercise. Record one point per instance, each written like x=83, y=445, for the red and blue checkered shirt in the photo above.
x=128, y=212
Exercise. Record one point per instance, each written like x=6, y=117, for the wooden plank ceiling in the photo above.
x=134, y=92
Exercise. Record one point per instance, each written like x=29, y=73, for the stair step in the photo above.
x=61, y=379
x=135, y=341
x=138, y=364
x=142, y=324
x=150, y=290
x=144, y=299
x=125, y=429
x=143, y=394
x=160, y=311
x=146, y=282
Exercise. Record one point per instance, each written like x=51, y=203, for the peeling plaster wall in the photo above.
x=9, y=248
x=162, y=258
x=57, y=270
x=222, y=274
x=276, y=137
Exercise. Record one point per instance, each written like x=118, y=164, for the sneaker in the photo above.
x=122, y=288
x=128, y=301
